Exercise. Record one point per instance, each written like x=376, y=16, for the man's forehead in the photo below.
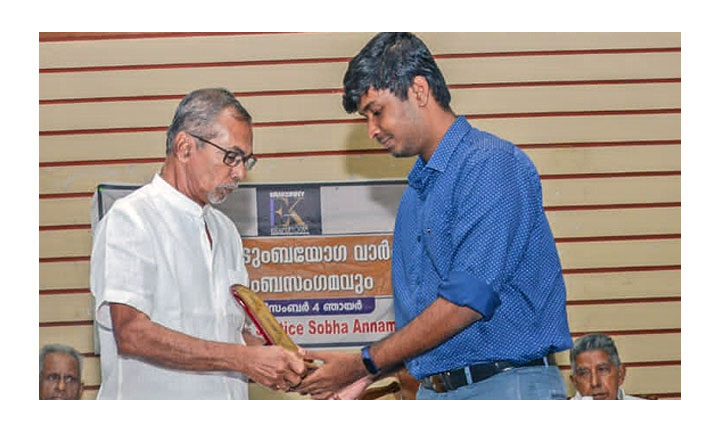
x=593, y=357
x=370, y=98
x=60, y=359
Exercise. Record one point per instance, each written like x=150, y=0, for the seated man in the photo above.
x=60, y=372
x=596, y=369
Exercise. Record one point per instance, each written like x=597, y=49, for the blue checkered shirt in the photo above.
x=471, y=228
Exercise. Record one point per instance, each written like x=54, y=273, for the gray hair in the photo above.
x=198, y=111
x=60, y=348
x=594, y=342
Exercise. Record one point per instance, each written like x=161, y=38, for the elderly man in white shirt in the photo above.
x=597, y=372
x=163, y=261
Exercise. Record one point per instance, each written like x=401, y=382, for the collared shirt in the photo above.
x=151, y=252
x=621, y=395
x=471, y=228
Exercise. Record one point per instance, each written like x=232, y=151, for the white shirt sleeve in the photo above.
x=123, y=268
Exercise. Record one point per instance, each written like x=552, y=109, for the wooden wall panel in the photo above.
x=624, y=317
x=316, y=107
x=611, y=190
x=79, y=336
x=604, y=222
x=267, y=47
x=622, y=285
x=538, y=131
x=599, y=113
x=324, y=76
x=627, y=253
x=62, y=274
x=65, y=243
x=64, y=211
x=567, y=223
x=66, y=307
x=557, y=191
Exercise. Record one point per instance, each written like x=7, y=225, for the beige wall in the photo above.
x=598, y=113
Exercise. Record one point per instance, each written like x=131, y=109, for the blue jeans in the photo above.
x=535, y=382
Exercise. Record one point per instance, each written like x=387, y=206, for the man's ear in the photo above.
x=420, y=90
x=621, y=374
x=183, y=145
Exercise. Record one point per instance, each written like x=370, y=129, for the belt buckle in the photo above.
x=438, y=382
x=499, y=367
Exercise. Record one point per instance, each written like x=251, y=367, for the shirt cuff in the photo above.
x=464, y=289
x=134, y=300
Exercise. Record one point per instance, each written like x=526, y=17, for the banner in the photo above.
x=319, y=254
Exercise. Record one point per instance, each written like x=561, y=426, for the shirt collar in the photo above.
x=177, y=199
x=579, y=396
x=441, y=156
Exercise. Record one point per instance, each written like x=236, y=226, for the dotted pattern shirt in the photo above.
x=471, y=228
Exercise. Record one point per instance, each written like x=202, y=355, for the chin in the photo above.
x=218, y=196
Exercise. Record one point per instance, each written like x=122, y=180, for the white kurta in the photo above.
x=151, y=252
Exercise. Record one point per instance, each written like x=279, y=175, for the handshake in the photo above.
x=285, y=366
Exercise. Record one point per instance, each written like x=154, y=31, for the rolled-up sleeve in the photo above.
x=464, y=289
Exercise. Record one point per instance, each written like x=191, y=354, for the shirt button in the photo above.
x=427, y=230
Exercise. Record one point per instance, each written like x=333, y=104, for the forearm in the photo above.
x=439, y=322
x=138, y=336
x=159, y=345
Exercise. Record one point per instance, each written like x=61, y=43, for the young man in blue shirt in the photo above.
x=478, y=290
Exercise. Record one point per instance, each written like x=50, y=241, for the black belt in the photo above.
x=456, y=378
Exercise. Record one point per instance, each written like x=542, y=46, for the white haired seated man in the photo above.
x=597, y=372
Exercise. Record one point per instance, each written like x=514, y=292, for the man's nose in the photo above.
x=238, y=172
x=594, y=379
x=61, y=384
x=372, y=128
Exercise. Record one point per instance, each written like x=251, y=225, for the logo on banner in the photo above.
x=289, y=212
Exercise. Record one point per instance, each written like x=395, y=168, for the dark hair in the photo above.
x=391, y=61
x=198, y=112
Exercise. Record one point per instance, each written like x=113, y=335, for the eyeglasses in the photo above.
x=232, y=158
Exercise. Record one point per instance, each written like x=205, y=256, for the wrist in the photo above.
x=370, y=366
x=242, y=358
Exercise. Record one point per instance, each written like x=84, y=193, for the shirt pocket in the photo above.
x=437, y=244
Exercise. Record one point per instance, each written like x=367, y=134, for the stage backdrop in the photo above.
x=318, y=253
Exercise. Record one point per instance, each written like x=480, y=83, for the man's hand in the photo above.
x=338, y=370
x=274, y=367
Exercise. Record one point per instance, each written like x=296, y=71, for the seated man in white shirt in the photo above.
x=60, y=372
x=597, y=372
x=163, y=261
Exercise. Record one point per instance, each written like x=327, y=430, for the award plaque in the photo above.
x=263, y=319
